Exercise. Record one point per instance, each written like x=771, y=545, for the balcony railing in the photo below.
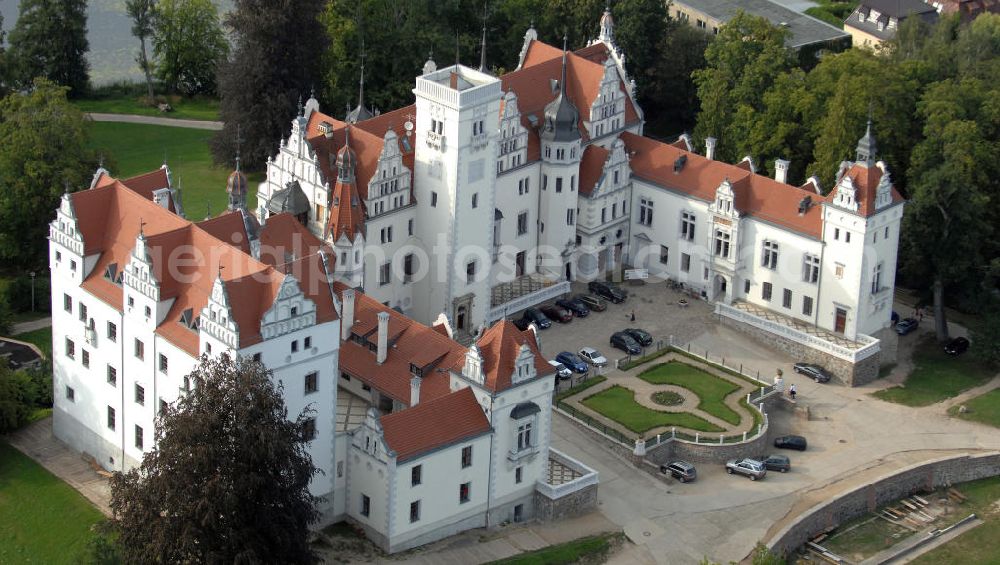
x=584, y=476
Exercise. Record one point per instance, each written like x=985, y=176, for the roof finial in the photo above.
x=301, y=113
x=361, y=82
x=100, y=159
x=482, y=52
x=312, y=90
x=142, y=225
x=239, y=140
x=457, y=60
x=562, y=81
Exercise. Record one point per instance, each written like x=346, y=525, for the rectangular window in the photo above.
x=307, y=342
x=614, y=210
x=722, y=243
x=131, y=301
x=384, y=274
x=148, y=312
x=112, y=332
x=309, y=429
x=407, y=267
x=68, y=303
x=664, y=254
x=70, y=394
x=886, y=236
x=518, y=475
x=409, y=227
x=138, y=438
x=70, y=349
x=140, y=395
x=434, y=199
x=83, y=312
x=876, y=283
x=312, y=383
x=685, y=262
x=838, y=271
x=85, y=358
x=559, y=184
x=139, y=349
x=769, y=258
x=847, y=236
x=524, y=436
x=604, y=215
x=415, y=511
x=416, y=475
x=765, y=291
x=645, y=212
x=163, y=363
x=295, y=346
x=366, y=505
x=687, y=226
x=111, y=418
x=470, y=272
x=522, y=223
x=810, y=268
x=836, y=233
x=464, y=492
x=467, y=456
x=807, y=305
x=786, y=298
x=475, y=200
x=569, y=216
x=112, y=376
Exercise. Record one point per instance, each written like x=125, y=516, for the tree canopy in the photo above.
x=143, y=14
x=227, y=480
x=275, y=61
x=45, y=153
x=49, y=40
x=188, y=44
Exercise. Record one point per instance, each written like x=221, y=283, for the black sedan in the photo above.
x=906, y=326
x=642, y=336
x=535, y=316
x=814, y=372
x=577, y=307
x=957, y=346
x=623, y=341
x=790, y=442
x=776, y=462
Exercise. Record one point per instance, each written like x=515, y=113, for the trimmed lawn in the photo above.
x=618, y=403
x=984, y=408
x=936, y=376
x=980, y=545
x=580, y=387
x=41, y=338
x=42, y=519
x=711, y=390
x=184, y=108
x=139, y=148
x=592, y=548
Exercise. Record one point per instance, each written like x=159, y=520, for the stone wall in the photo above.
x=851, y=374
x=921, y=477
x=583, y=500
x=672, y=450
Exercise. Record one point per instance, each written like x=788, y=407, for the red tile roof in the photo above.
x=866, y=181
x=433, y=424
x=228, y=227
x=145, y=184
x=500, y=346
x=592, y=167
x=756, y=195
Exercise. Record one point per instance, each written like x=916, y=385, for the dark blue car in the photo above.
x=573, y=361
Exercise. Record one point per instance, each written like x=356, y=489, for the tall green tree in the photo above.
x=743, y=61
x=44, y=142
x=4, y=78
x=49, y=40
x=188, y=44
x=277, y=50
x=669, y=97
x=227, y=480
x=143, y=14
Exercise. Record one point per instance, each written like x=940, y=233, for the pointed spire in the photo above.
x=239, y=140
x=142, y=225
x=562, y=81
x=360, y=113
x=482, y=51
x=867, y=148
x=361, y=81
x=301, y=113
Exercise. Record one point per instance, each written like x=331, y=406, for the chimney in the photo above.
x=781, y=171
x=383, y=337
x=710, y=148
x=415, y=391
x=454, y=80
x=347, y=319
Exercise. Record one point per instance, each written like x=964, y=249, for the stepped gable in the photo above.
x=499, y=346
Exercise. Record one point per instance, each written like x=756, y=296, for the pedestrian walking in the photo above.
x=791, y=392
x=632, y=317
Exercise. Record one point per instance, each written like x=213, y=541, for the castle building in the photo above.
x=491, y=194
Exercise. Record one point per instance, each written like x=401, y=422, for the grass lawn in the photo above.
x=41, y=338
x=618, y=403
x=711, y=390
x=984, y=408
x=140, y=148
x=42, y=519
x=863, y=537
x=184, y=108
x=981, y=545
x=580, y=387
x=936, y=376
x=591, y=548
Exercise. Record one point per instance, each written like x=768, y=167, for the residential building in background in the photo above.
x=875, y=21
x=804, y=30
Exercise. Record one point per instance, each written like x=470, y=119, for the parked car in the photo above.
x=623, y=341
x=593, y=302
x=777, y=462
x=593, y=356
x=562, y=371
x=557, y=313
x=607, y=291
x=814, y=372
x=790, y=442
x=680, y=470
x=906, y=325
x=957, y=346
x=747, y=467
x=642, y=336
x=534, y=315
x=573, y=361
x=574, y=305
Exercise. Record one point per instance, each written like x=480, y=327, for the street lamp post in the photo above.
x=32, y=291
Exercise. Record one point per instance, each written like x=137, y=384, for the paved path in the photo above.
x=37, y=442
x=155, y=121
x=970, y=394
x=30, y=326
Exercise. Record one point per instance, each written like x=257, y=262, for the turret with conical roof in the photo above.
x=561, y=116
x=867, y=148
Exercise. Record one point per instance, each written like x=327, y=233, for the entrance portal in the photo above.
x=719, y=289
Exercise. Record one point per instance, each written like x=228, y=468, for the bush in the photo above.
x=16, y=293
x=22, y=393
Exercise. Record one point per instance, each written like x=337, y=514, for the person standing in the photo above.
x=791, y=392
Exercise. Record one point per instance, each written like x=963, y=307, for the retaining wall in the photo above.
x=672, y=450
x=583, y=500
x=921, y=477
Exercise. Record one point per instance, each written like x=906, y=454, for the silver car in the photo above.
x=593, y=356
x=747, y=467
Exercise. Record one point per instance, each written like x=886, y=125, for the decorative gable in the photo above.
x=725, y=200
x=139, y=274
x=883, y=194
x=290, y=311
x=524, y=365
x=607, y=111
x=473, y=369
x=389, y=187
x=847, y=194
x=216, y=317
x=65, y=230
x=370, y=437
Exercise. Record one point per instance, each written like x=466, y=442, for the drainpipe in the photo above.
x=819, y=283
x=489, y=483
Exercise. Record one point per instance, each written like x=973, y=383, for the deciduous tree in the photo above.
x=143, y=15
x=188, y=44
x=50, y=41
x=227, y=480
x=44, y=141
